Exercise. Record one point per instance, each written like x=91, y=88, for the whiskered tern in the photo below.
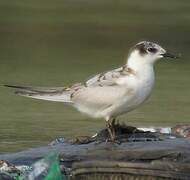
x=112, y=93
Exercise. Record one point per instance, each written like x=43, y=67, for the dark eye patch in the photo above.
x=141, y=48
x=152, y=50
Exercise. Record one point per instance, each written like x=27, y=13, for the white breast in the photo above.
x=142, y=85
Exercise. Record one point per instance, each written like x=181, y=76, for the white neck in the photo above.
x=140, y=65
x=137, y=62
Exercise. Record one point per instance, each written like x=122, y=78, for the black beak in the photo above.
x=169, y=55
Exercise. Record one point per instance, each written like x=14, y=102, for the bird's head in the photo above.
x=148, y=53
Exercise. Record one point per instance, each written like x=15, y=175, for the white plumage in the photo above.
x=110, y=94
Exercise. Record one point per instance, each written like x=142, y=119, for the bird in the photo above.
x=112, y=93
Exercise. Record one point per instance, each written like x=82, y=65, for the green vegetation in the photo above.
x=54, y=43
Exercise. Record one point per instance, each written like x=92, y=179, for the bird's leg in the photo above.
x=113, y=128
x=110, y=129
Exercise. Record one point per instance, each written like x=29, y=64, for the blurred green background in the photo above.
x=59, y=42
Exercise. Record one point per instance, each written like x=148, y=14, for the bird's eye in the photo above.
x=152, y=50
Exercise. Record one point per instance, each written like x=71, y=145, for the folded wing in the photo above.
x=60, y=94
